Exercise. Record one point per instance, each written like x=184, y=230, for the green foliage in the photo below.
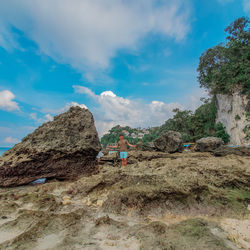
x=237, y=117
x=192, y=126
x=203, y=120
x=226, y=67
x=246, y=130
x=221, y=132
x=114, y=133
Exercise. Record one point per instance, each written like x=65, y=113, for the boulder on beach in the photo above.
x=63, y=148
x=170, y=142
x=208, y=144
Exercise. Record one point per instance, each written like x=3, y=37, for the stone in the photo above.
x=208, y=144
x=99, y=203
x=170, y=142
x=66, y=202
x=64, y=148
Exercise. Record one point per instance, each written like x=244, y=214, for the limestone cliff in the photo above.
x=232, y=113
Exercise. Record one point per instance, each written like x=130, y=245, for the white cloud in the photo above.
x=88, y=33
x=45, y=118
x=13, y=131
x=11, y=140
x=112, y=110
x=192, y=100
x=108, y=93
x=246, y=6
x=49, y=117
x=64, y=109
x=6, y=101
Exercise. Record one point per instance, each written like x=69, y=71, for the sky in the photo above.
x=129, y=62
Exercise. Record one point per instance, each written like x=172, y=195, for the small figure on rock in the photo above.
x=123, y=149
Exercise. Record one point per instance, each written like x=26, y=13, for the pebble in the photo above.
x=99, y=203
x=66, y=202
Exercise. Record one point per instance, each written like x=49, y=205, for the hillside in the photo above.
x=192, y=126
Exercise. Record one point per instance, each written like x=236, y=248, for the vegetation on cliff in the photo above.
x=226, y=67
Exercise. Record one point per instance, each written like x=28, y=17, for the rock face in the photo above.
x=170, y=142
x=232, y=112
x=208, y=144
x=64, y=148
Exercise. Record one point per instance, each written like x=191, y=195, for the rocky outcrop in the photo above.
x=134, y=156
x=232, y=112
x=208, y=144
x=143, y=147
x=173, y=201
x=170, y=142
x=227, y=150
x=64, y=148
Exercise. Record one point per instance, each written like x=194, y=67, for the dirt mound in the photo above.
x=170, y=142
x=63, y=148
x=208, y=144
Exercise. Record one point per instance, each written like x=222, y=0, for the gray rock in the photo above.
x=64, y=148
x=208, y=144
x=170, y=142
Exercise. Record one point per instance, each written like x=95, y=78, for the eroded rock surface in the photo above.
x=208, y=144
x=170, y=142
x=161, y=201
x=227, y=150
x=64, y=148
x=232, y=112
x=143, y=147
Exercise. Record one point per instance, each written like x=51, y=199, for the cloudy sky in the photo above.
x=129, y=62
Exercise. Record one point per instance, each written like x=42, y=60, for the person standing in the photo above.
x=123, y=144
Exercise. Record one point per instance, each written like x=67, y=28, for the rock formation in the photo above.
x=227, y=150
x=170, y=142
x=232, y=112
x=208, y=144
x=141, y=146
x=64, y=148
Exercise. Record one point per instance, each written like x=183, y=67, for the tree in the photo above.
x=226, y=67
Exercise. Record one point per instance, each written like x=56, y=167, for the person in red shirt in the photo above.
x=123, y=149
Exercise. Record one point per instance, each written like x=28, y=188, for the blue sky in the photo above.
x=129, y=62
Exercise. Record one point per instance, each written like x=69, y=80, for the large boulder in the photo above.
x=63, y=148
x=208, y=144
x=170, y=142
